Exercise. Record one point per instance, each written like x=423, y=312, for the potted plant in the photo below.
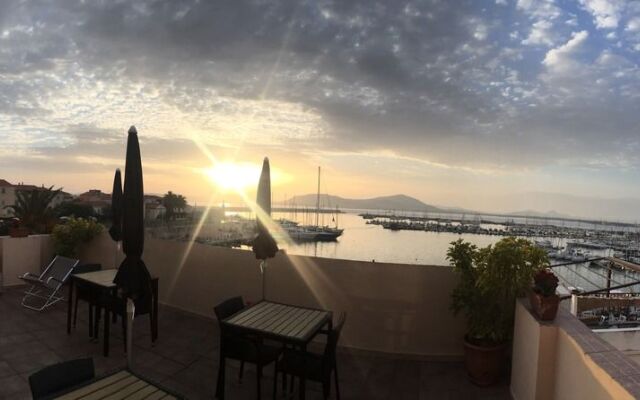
x=491, y=278
x=68, y=237
x=543, y=298
x=16, y=230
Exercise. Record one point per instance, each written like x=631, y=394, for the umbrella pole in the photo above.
x=131, y=309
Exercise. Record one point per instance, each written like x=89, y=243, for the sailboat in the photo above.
x=313, y=233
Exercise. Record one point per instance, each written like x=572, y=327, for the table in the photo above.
x=102, y=282
x=118, y=385
x=280, y=322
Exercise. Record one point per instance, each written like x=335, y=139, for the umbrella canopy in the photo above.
x=116, y=208
x=264, y=246
x=133, y=277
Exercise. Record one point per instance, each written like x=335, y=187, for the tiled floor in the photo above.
x=185, y=359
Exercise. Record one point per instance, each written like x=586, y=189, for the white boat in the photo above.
x=315, y=233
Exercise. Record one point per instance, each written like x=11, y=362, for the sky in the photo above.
x=497, y=105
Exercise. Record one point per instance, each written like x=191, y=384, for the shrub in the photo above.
x=68, y=237
x=491, y=278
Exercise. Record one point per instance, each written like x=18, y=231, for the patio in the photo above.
x=185, y=359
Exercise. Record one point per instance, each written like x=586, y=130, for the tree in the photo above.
x=174, y=204
x=33, y=209
x=71, y=209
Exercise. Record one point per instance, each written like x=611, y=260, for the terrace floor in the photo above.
x=185, y=359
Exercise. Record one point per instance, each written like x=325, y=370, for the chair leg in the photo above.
x=124, y=333
x=335, y=375
x=284, y=382
x=325, y=388
x=90, y=320
x=75, y=312
x=275, y=380
x=220, y=383
x=292, y=384
x=96, y=321
x=259, y=377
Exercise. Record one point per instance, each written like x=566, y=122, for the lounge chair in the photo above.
x=58, y=377
x=44, y=288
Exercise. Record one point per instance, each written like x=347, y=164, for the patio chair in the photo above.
x=58, y=377
x=240, y=347
x=314, y=367
x=83, y=292
x=45, y=288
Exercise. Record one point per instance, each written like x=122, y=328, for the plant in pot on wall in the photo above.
x=491, y=278
x=68, y=237
x=543, y=298
x=16, y=230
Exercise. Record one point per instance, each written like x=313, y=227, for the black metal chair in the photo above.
x=314, y=367
x=117, y=306
x=83, y=292
x=240, y=347
x=55, y=378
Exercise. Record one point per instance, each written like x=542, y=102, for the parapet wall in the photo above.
x=564, y=359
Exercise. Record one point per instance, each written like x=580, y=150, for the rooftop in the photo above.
x=185, y=359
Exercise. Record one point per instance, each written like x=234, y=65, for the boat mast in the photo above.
x=318, y=199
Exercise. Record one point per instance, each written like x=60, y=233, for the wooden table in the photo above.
x=102, y=283
x=284, y=323
x=119, y=385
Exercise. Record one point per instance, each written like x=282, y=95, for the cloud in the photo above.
x=606, y=13
x=423, y=80
x=562, y=58
x=541, y=33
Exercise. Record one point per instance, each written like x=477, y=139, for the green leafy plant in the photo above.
x=491, y=278
x=68, y=237
x=33, y=208
x=545, y=282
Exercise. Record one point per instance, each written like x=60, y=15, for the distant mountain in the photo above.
x=397, y=202
x=539, y=214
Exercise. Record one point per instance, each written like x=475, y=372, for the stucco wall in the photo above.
x=21, y=255
x=565, y=360
x=391, y=307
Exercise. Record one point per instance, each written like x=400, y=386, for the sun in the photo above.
x=233, y=176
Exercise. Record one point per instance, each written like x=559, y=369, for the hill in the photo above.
x=398, y=202
x=538, y=214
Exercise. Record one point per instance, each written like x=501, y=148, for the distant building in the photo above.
x=153, y=207
x=8, y=196
x=95, y=198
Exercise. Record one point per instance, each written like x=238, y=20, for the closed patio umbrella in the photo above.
x=133, y=279
x=116, y=214
x=264, y=245
x=116, y=208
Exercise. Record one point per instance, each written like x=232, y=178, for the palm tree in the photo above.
x=174, y=203
x=33, y=208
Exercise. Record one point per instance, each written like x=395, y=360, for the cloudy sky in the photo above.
x=479, y=104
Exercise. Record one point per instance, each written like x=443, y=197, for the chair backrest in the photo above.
x=59, y=269
x=332, y=340
x=84, y=268
x=228, y=307
x=55, y=378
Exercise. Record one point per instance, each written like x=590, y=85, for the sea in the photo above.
x=371, y=242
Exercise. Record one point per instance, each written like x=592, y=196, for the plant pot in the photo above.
x=544, y=307
x=18, y=232
x=485, y=364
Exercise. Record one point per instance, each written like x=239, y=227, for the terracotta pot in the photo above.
x=545, y=307
x=18, y=232
x=485, y=364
